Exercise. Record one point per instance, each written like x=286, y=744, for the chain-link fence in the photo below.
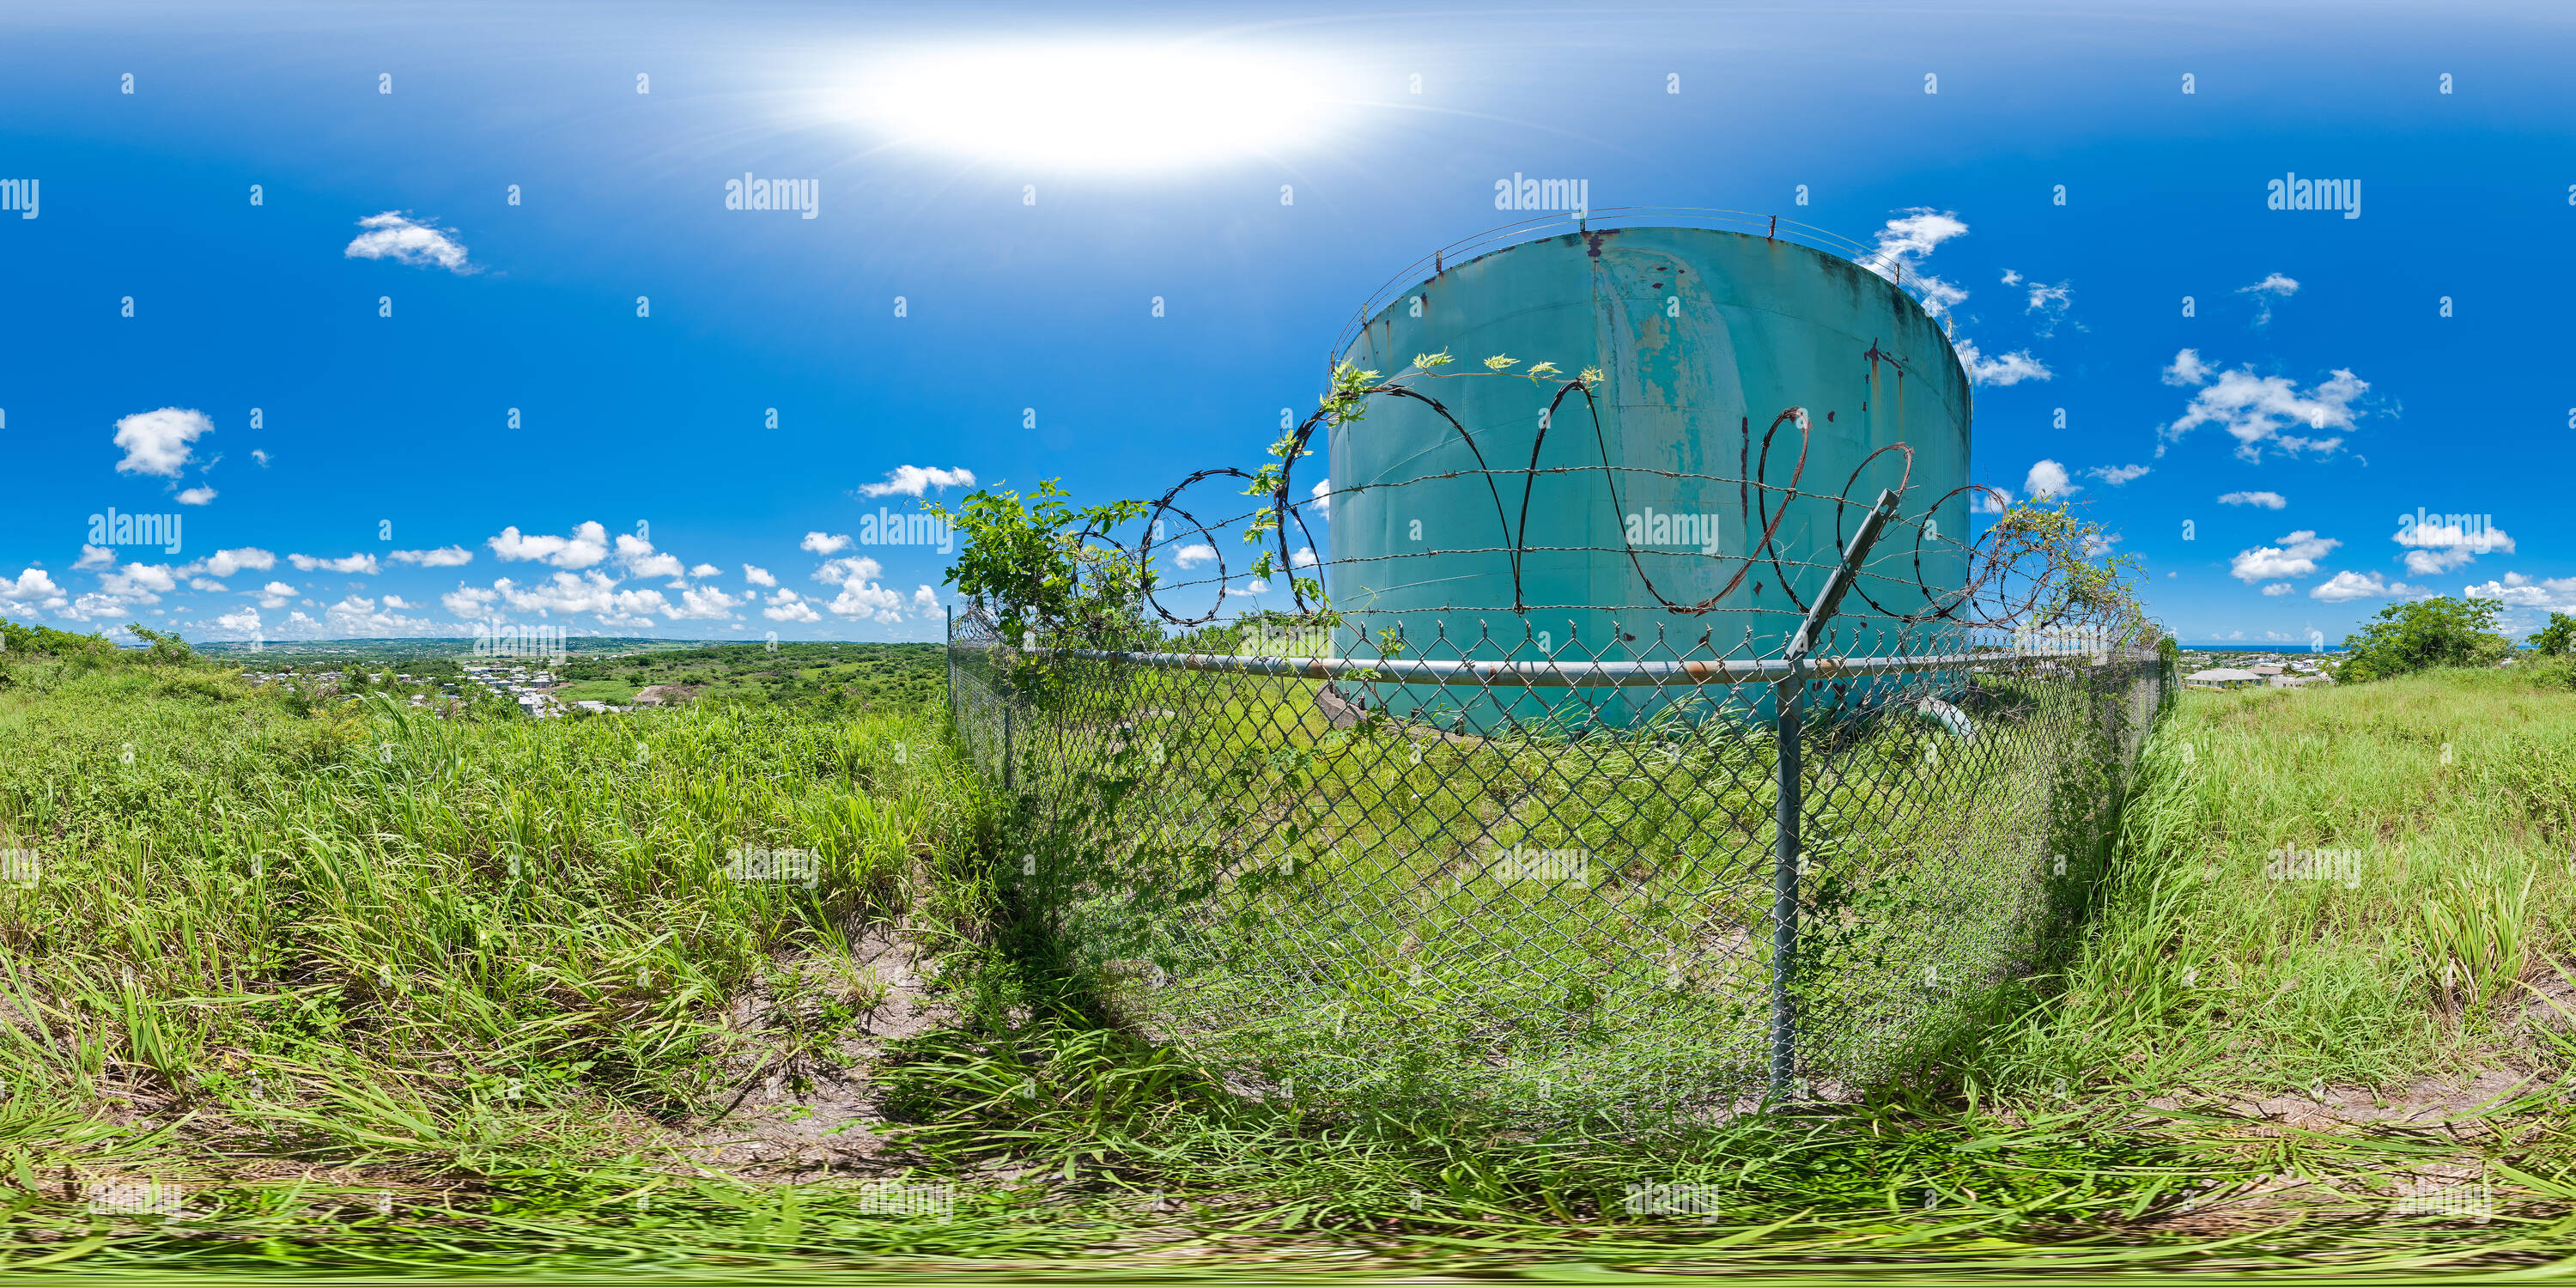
x=1570, y=785
x=1660, y=882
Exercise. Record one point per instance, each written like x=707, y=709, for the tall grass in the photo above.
x=368, y=934
x=2218, y=964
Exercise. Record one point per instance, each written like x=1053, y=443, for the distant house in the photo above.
x=2221, y=677
x=2266, y=668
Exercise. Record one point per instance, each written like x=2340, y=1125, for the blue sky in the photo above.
x=646, y=490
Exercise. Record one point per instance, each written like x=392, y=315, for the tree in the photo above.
x=2406, y=638
x=167, y=648
x=2558, y=638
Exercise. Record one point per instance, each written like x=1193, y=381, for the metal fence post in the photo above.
x=1787, y=700
x=1006, y=744
x=1788, y=854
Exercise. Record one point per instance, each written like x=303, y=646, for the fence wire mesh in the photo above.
x=1546, y=882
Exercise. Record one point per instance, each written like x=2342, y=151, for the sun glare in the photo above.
x=1096, y=106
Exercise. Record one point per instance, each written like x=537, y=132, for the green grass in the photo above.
x=618, y=692
x=2457, y=790
x=395, y=995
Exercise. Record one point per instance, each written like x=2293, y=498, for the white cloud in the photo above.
x=2296, y=556
x=2256, y=409
x=706, y=603
x=209, y=585
x=393, y=236
x=2011, y=278
x=587, y=545
x=396, y=601
x=443, y=557
x=240, y=621
x=2115, y=475
x=839, y=572
x=92, y=606
x=2267, y=500
x=2440, y=547
x=2052, y=304
x=158, y=442
x=2272, y=286
x=590, y=592
x=92, y=558
x=2555, y=594
x=224, y=563
x=32, y=591
x=860, y=595
x=140, y=583
x=1911, y=236
x=197, y=496
x=913, y=480
x=2009, y=369
x=362, y=564
x=356, y=615
x=275, y=594
x=1989, y=500
x=788, y=606
x=706, y=570
x=1304, y=558
x=926, y=600
x=867, y=599
x=2188, y=369
x=637, y=556
x=1938, y=296
x=2047, y=481
x=465, y=601
x=1323, y=497
x=2347, y=585
x=824, y=543
x=1191, y=556
x=2280, y=588
x=758, y=576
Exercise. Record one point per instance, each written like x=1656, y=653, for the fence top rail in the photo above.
x=1559, y=673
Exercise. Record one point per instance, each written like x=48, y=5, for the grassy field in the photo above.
x=294, y=986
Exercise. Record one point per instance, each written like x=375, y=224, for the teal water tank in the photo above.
x=1637, y=521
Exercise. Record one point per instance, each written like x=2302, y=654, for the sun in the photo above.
x=1098, y=106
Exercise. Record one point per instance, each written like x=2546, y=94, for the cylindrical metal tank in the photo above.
x=1703, y=338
